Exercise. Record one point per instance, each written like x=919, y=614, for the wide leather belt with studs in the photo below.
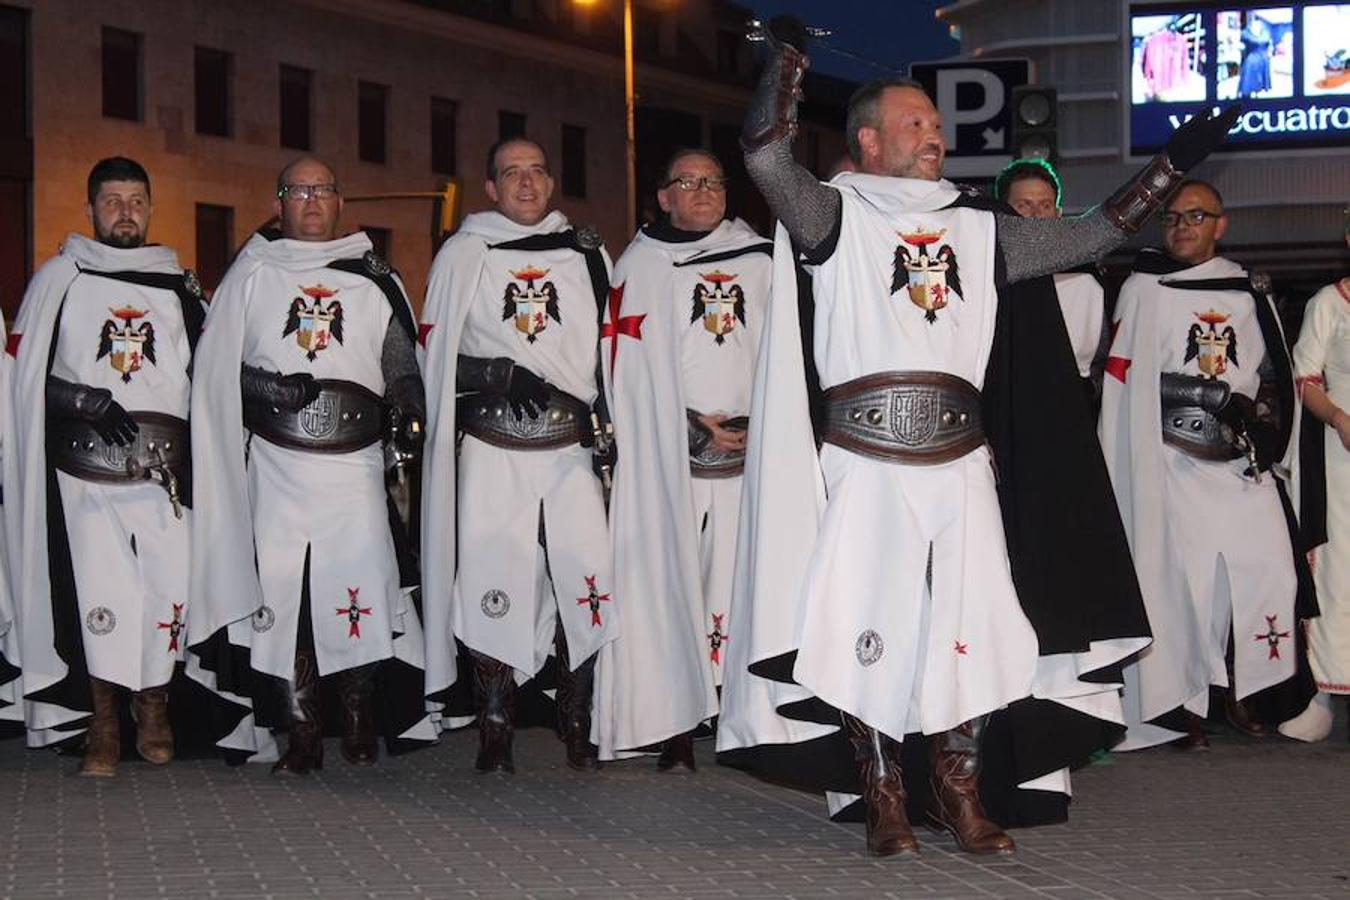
x=344, y=418
x=489, y=418
x=1198, y=433
x=162, y=443
x=710, y=462
x=919, y=418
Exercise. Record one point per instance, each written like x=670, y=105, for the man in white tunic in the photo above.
x=306, y=365
x=698, y=284
x=510, y=338
x=889, y=577
x=1320, y=462
x=96, y=488
x=1198, y=405
x=1033, y=189
x=11, y=688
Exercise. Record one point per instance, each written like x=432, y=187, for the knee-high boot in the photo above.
x=355, y=687
x=878, y=757
x=495, y=696
x=576, y=688
x=956, y=803
x=104, y=746
x=304, y=747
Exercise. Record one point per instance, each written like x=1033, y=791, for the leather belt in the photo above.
x=344, y=418
x=163, y=442
x=710, y=462
x=489, y=417
x=1199, y=433
x=918, y=418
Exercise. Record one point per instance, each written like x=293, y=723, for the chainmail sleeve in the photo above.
x=810, y=211
x=398, y=358
x=1033, y=247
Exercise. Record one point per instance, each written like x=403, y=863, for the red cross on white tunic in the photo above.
x=174, y=626
x=423, y=332
x=1272, y=637
x=617, y=325
x=1117, y=367
x=354, y=611
x=717, y=638
x=593, y=599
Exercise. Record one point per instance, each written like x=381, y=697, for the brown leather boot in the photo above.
x=575, y=690
x=878, y=757
x=677, y=753
x=355, y=687
x=1240, y=717
x=103, y=747
x=1195, y=739
x=956, y=803
x=495, y=695
x=154, y=737
x=304, y=747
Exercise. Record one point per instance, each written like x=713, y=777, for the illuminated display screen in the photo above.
x=1286, y=65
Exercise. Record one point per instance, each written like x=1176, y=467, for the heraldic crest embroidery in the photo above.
x=532, y=307
x=930, y=280
x=721, y=306
x=1213, y=350
x=127, y=345
x=315, y=325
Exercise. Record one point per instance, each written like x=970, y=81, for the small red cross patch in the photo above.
x=1272, y=636
x=717, y=638
x=593, y=599
x=354, y=611
x=961, y=648
x=174, y=626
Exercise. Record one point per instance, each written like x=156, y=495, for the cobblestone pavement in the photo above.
x=1248, y=819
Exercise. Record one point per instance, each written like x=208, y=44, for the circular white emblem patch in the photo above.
x=496, y=604
x=263, y=619
x=869, y=647
x=100, y=620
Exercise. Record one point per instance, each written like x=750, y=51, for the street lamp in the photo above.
x=630, y=103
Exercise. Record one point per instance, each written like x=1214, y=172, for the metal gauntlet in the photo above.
x=700, y=436
x=1143, y=195
x=772, y=115
x=271, y=388
x=71, y=400
x=477, y=373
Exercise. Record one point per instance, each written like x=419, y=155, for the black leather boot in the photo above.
x=495, y=696
x=355, y=688
x=576, y=688
x=304, y=747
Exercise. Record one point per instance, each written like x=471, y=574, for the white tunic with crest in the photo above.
x=490, y=583
x=128, y=551
x=1211, y=545
x=681, y=332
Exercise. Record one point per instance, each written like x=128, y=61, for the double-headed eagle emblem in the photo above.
x=314, y=324
x=532, y=307
x=126, y=345
x=1213, y=349
x=721, y=306
x=930, y=279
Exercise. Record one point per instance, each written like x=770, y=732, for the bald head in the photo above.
x=1194, y=223
x=308, y=204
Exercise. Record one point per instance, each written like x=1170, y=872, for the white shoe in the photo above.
x=1314, y=723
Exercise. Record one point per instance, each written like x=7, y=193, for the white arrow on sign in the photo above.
x=993, y=138
x=993, y=96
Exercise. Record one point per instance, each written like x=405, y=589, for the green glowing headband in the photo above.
x=1006, y=176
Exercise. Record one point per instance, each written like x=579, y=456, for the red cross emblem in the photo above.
x=1272, y=637
x=174, y=627
x=1118, y=367
x=12, y=343
x=717, y=638
x=423, y=331
x=593, y=599
x=617, y=325
x=961, y=648
x=354, y=611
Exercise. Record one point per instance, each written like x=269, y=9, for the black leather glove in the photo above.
x=1201, y=136
x=116, y=426
x=772, y=114
x=303, y=386
x=1238, y=412
x=291, y=392
x=526, y=392
x=72, y=400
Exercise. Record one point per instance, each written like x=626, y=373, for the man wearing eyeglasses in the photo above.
x=1198, y=405
x=307, y=366
x=510, y=337
x=96, y=477
x=699, y=284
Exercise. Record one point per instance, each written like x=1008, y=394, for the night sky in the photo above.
x=889, y=33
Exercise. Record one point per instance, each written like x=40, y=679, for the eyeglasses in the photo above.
x=304, y=192
x=715, y=183
x=1190, y=217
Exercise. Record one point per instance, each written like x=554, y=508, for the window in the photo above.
x=121, y=74
x=729, y=52
x=443, y=135
x=212, y=71
x=372, y=107
x=510, y=124
x=295, y=86
x=382, y=239
x=573, y=161
x=215, y=242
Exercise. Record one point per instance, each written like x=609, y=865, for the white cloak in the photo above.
x=1322, y=355
x=259, y=501
x=674, y=535
x=485, y=582
x=132, y=594
x=1082, y=304
x=11, y=692
x=1211, y=546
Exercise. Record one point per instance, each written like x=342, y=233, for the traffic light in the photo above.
x=1035, y=117
x=445, y=217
